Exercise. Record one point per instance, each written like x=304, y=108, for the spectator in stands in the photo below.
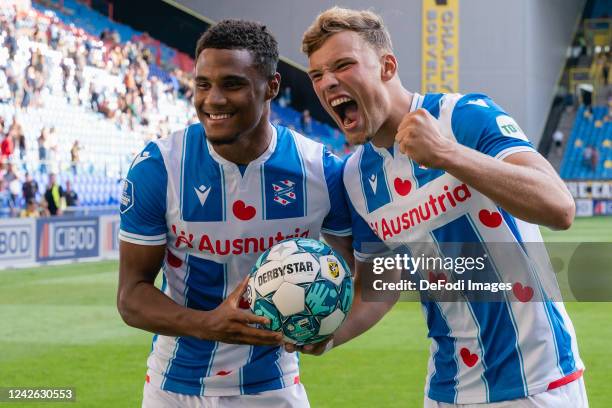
x=66, y=68
x=10, y=42
x=15, y=190
x=79, y=80
x=163, y=128
x=37, y=61
x=608, y=116
x=11, y=178
x=156, y=91
x=174, y=83
x=306, y=121
x=115, y=58
x=29, y=189
x=20, y=144
x=32, y=210
x=606, y=69
x=6, y=149
x=19, y=140
x=129, y=81
x=105, y=35
x=284, y=99
x=94, y=95
x=586, y=97
x=11, y=79
x=11, y=174
x=7, y=206
x=587, y=153
x=29, y=87
x=75, y=156
x=594, y=158
x=55, y=197
x=558, y=140
x=53, y=148
x=43, y=148
x=590, y=157
x=54, y=33
x=5, y=90
x=72, y=198
x=598, y=67
x=287, y=95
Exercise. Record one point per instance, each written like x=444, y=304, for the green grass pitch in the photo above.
x=60, y=328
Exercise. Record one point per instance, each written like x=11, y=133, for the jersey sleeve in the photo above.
x=143, y=199
x=479, y=123
x=337, y=221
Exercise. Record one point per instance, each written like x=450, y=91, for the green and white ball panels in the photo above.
x=303, y=287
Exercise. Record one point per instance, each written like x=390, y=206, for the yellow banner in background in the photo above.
x=440, y=46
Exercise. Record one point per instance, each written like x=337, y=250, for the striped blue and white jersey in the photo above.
x=481, y=351
x=216, y=219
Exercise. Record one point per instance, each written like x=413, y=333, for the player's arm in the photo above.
x=342, y=245
x=364, y=314
x=144, y=306
x=523, y=183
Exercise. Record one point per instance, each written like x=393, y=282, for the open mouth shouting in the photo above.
x=346, y=110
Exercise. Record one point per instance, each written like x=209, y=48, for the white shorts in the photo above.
x=293, y=396
x=572, y=395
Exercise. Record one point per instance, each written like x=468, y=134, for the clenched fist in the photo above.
x=419, y=137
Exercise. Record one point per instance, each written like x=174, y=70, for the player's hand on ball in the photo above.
x=229, y=323
x=315, y=349
x=420, y=138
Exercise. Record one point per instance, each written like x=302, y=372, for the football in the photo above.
x=303, y=287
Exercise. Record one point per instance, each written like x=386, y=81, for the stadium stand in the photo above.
x=588, y=154
x=70, y=77
x=598, y=9
x=586, y=95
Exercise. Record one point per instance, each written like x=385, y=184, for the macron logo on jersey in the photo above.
x=202, y=193
x=373, y=180
x=479, y=102
x=140, y=158
x=127, y=196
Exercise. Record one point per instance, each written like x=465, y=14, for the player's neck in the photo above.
x=400, y=106
x=248, y=147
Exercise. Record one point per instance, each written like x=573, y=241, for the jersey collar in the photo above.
x=417, y=101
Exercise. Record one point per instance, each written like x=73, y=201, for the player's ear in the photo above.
x=273, y=86
x=388, y=67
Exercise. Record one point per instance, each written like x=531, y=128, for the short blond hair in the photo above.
x=367, y=24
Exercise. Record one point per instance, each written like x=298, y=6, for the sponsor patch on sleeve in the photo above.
x=127, y=196
x=508, y=127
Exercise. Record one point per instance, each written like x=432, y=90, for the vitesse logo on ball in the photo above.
x=303, y=287
x=334, y=269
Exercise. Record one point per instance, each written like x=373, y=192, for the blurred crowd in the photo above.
x=132, y=106
x=40, y=56
x=129, y=105
x=24, y=199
